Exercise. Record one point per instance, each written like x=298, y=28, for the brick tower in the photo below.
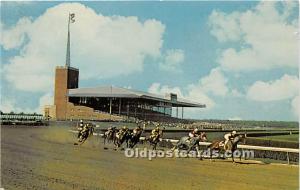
x=65, y=78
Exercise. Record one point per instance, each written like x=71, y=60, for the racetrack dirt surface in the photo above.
x=45, y=158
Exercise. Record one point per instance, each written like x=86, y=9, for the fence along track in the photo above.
x=249, y=147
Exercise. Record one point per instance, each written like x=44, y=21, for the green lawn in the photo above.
x=285, y=138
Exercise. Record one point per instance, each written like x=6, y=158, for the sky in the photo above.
x=239, y=58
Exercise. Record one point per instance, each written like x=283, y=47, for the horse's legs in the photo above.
x=198, y=153
x=174, y=148
x=133, y=142
x=189, y=149
x=128, y=143
x=241, y=156
x=116, y=142
x=211, y=153
x=154, y=146
x=82, y=141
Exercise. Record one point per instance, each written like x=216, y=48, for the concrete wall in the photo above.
x=87, y=113
x=73, y=112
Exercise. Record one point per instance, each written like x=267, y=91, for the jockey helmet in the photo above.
x=196, y=130
x=233, y=132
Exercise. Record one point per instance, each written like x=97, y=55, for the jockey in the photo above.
x=194, y=133
x=109, y=130
x=229, y=136
x=85, y=128
x=124, y=130
x=80, y=128
x=137, y=129
x=155, y=132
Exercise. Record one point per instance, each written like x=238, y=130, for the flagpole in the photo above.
x=68, y=45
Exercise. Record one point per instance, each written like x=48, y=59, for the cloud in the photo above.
x=263, y=37
x=195, y=93
x=101, y=46
x=157, y=88
x=215, y=83
x=14, y=37
x=191, y=93
x=46, y=99
x=7, y=106
x=172, y=60
x=10, y=105
x=225, y=27
x=284, y=88
x=236, y=93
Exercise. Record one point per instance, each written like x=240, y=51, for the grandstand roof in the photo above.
x=117, y=92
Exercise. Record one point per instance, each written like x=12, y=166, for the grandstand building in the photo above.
x=109, y=102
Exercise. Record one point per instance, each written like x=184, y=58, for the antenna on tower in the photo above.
x=70, y=20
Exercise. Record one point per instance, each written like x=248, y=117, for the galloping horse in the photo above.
x=187, y=143
x=83, y=136
x=155, y=140
x=134, y=139
x=109, y=135
x=120, y=138
x=230, y=146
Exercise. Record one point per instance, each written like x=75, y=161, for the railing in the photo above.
x=248, y=147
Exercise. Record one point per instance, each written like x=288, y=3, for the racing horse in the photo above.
x=121, y=137
x=134, y=139
x=191, y=143
x=154, y=140
x=109, y=135
x=83, y=135
x=231, y=146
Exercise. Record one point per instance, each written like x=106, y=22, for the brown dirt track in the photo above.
x=45, y=158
